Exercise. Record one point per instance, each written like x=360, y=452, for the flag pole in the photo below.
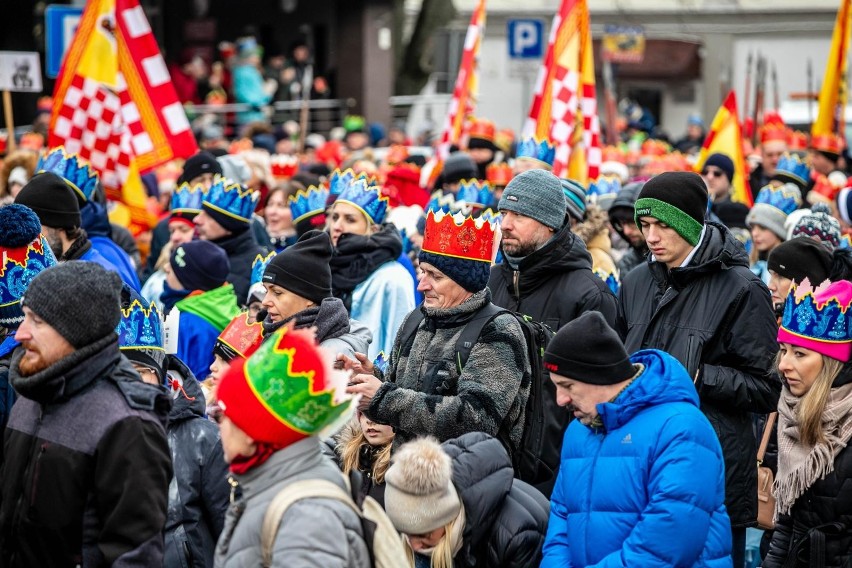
x=10, y=120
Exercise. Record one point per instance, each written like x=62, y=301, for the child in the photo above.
x=365, y=446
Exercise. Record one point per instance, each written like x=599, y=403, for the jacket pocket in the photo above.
x=694, y=345
x=437, y=378
x=178, y=553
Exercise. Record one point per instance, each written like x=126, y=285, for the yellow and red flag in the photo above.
x=725, y=137
x=115, y=103
x=564, y=108
x=830, y=119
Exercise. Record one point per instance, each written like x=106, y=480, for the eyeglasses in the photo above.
x=712, y=173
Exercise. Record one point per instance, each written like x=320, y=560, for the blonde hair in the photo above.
x=350, y=451
x=442, y=556
x=813, y=402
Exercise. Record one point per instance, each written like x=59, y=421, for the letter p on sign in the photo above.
x=526, y=38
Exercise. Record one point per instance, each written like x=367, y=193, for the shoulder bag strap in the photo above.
x=767, y=432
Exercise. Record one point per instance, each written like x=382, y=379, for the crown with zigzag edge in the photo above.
x=366, y=198
x=469, y=239
x=340, y=180
x=77, y=172
x=825, y=320
x=307, y=202
x=826, y=143
x=447, y=203
x=785, y=198
x=19, y=266
x=283, y=166
x=482, y=128
x=792, y=165
x=476, y=193
x=231, y=198
x=603, y=186
x=258, y=266
x=186, y=199
x=499, y=174
x=140, y=327
x=242, y=336
x=532, y=148
x=491, y=216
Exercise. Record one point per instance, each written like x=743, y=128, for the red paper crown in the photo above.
x=283, y=166
x=482, y=129
x=826, y=143
x=798, y=141
x=613, y=154
x=773, y=128
x=498, y=174
x=472, y=240
x=241, y=336
x=504, y=139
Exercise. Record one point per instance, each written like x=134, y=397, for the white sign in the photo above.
x=20, y=71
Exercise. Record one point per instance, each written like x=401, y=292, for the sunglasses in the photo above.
x=712, y=173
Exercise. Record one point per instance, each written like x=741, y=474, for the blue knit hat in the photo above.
x=575, y=198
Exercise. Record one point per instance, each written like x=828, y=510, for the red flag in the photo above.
x=725, y=137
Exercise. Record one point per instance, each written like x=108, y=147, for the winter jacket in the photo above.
x=249, y=90
x=631, y=259
x=648, y=487
x=241, y=249
x=623, y=207
x=7, y=393
x=820, y=523
x=127, y=276
x=716, y=318
x=199, y=489
x=595, y=234
x=313, y=532
x=505, y=518
x=554, y=285
x=424, y=394
x=87, y=466
x=381, y=302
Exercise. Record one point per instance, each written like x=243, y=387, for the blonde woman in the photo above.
x=365, y=446
x=813, y=487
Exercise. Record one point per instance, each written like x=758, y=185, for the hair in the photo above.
x=813, y=402
x=289, y=187
x=841, y=265
x=442, y=556
x=371, y=226
x=349, y=445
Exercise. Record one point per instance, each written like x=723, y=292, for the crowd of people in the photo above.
x=496, y=366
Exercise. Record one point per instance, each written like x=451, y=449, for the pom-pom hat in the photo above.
x=819, y=319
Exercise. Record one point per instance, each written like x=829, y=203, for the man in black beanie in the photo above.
x=90, y=429
x=697, y=299
x=638, y=464
x=793, y=261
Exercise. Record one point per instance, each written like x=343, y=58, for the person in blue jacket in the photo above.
x=641, y=481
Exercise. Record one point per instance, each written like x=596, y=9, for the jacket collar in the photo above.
x=284, y=464
x=438, y=318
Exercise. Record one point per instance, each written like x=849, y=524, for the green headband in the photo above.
x=683, y=224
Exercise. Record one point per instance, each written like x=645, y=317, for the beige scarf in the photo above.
x=799, y=466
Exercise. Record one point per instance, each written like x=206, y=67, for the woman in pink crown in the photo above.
x=813, y=487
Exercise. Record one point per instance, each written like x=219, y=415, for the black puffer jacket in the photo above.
x=716, y=318
x=242, y=250
x=505, y=518
x=819, y=525
x=199, y=490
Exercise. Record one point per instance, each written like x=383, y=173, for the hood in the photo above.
x=663, y=380
x=217, y=306
x=95, y=220
x=482, y=474
x=595, y=223
x=189, y=401
x=359, y=337
x=719, y=250
x=563, y=253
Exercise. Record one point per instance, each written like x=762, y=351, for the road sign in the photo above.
x=20, y=71
x=60, y=25
x=526, y=38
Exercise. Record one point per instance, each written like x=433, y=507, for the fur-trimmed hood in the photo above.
x=595, y=223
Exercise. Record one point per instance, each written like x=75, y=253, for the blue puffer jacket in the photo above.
x=647, y=489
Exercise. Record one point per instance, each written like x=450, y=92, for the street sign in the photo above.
x=60, y=25
x=526, y=38
x=20, y=71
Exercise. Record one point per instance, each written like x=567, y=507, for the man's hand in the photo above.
x=361, y=365
x=366, y=385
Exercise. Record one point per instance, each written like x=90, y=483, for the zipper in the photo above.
x=592, y=482
x=233, y=483
x=516, y=278
x=36, y=470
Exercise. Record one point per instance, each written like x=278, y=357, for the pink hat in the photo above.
x=817, y=319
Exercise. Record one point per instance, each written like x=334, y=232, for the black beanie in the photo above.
x=678, y=199
x=303, y=268
x=457, y=167
x=53, y=201
x=589, y=351
x=800, y=258
x=201, y=163
x=200, y=265
x=80, y=300
x=722, y=162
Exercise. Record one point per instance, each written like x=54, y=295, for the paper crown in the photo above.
x=827, y=143
x=773, y=128
x=240, y=338
x=381, y=362
x=786, y=198
x=468, y=240
x=140, y=327
x=76, y=171
x=483, y=129
x=476, y=193
x=798, y=141
x=286, y=391
x=340, y=180
x=231, y=198
x=613, y=154
x=441, y=202
x=498, y=174
x=792, y=166
x=283, y=166
x=817, y=319
x=186, y=199
x=307, y=202
x=533, y=149
x=605, y=187
x=258, y=266
x=366, y=198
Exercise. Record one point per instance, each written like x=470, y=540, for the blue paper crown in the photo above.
x=792, y=166
x=368, y=199
x=17, y=271
x=187, y=199
x=140, y=326
x=541, y=150
x=786, y=198
x=476, y=193
x=340, y=180
x=258, y=266
x=803, y=317
x=604, y=186
x=76, y=171
x=307, y=202
x=447, y=203
x=231, y=198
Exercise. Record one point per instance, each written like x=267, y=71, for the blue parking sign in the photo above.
x=526, y=39
x=60, y=23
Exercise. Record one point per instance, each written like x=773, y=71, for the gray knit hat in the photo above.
x=419, y=492
x=80, y=300
x=772, y=206
x=536, y=194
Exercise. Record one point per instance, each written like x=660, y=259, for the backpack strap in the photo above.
x=407, y=331
x=472, y=330
x=305, y=489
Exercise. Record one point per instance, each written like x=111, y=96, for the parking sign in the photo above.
x=526, y=39
x=60, y=24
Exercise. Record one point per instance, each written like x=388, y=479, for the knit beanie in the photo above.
x=199, y=164
x=587, y=350
x=801, y=258
x=140, y=331
x=458, y=166
x=678, y=199
x=462, y=251
x=25, y=253
x=722, y=162
x=200, y=265
x=52, y=200
x=303, y=268
x=772, y=206
x=419, y=492
x=575, y=198
x=536, y=194
x=820, y=225
x=79, y=299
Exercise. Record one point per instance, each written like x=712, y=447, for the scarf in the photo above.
x=329, y=318
x=170, y=296
x=799, y=466
x=242, y=464
x=357, y=257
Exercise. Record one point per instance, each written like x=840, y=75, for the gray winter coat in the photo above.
x=424, y=394
x=313, y=532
